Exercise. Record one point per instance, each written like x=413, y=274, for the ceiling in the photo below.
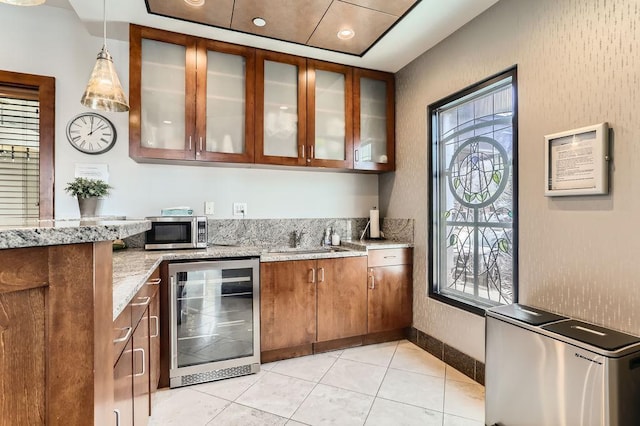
x=427, y=23
x=316, y=23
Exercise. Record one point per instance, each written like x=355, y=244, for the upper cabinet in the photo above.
x=329, y=115
x=374, y=120
x=280, y=109
x=194, y=99
x=191, y=99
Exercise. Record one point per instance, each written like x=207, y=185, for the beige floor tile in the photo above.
x=386, y=413
x=294, y=423
x=328, y=405
x=355, y=376
x=229, y=389
x=239, y=415
x=311, y=367
x=413, y=388
x=380, y=354
x=453, y=374
x=464, y=400
x=450, y=420
x=276, y=394
x=268, y=366
x=412, y=358
x=184, y=406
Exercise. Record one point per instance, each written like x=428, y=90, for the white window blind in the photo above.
x=19, y=158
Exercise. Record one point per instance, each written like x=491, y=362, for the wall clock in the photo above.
x=91, y=133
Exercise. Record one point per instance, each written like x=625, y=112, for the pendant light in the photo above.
x=104, y=91
x=23, y=2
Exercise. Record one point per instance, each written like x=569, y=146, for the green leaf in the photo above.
x=485, y=195
x=503, y=245
x=468, y=197
x=453, y=239
x=456, y=183
x=496, y=177
x=447, y=214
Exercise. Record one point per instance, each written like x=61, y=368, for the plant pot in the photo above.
x=88, y=206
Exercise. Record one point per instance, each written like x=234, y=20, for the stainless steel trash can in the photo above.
x=545, y=369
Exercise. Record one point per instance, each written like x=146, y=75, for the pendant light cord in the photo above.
x=104, y=21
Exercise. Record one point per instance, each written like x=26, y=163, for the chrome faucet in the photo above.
x=297, y=238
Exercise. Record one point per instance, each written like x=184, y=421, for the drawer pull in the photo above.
x=390, y=257
x=154, y=281
x=146, y=299
x=157, y=321
x=144, y=370
x=117, y=412
x=126, y=336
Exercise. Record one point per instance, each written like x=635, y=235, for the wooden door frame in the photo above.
x=46, y=89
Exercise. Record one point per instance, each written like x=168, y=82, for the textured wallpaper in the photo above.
x=578, y=64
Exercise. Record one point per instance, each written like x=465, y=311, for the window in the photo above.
x=473, y=195
x=27, y=104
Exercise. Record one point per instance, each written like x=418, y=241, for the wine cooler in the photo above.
x=215, y=320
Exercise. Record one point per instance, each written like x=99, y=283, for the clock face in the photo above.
x=91, y=133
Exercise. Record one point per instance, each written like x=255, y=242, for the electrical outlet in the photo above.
x=240, y=209
x=209, y=208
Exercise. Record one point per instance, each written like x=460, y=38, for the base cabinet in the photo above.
x=390, y=282
x=137, y=353
x=308, y=301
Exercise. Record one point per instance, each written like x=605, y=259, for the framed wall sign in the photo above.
x=576, y=161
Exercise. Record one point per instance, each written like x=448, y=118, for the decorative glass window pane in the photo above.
x=473, y=204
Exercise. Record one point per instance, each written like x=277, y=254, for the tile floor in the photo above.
x=394, y=383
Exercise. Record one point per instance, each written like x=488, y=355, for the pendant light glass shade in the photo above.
x=104, y=91
x=23, y=2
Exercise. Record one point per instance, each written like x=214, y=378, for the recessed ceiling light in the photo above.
x=346, y=34
x=259, y=22
x=284, y=107
x=166, y=121
x=196, y=3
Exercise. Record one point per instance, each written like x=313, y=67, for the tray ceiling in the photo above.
x=314, y=23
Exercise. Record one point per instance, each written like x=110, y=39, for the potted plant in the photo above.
x=87, y=191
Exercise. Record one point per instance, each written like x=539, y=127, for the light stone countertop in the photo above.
x=39, y=233
x=375, y=244
x=133, y=267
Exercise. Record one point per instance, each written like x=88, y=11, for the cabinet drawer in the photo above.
x=121, y=332
x=386, y=257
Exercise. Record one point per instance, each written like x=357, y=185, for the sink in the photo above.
x=318, y=250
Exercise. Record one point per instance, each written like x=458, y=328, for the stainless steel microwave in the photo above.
x=176, y=232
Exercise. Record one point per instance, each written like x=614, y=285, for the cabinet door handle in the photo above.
x=357, y=156
x=189, y=143
x=115, y=410
x=303, y=151
x=312, y=275
x=144, y=370
x=311, y=149
x=373, y=282
x=126, y=336
x=146, y=299
x=157, y=321
x=321, y=279
x=201, y=143
x=154, y=281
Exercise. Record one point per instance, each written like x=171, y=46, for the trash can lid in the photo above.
x=527, y=314
x=593, y=335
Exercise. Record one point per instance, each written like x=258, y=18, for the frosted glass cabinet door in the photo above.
x=163, y=95
x=280, y=127
x=374, y=126
x=225, y=102
x=329, y=116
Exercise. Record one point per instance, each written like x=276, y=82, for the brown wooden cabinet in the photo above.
x=191, y=98
x=307, y=301
x=136, y=354
x=374, y=120
x=194, y=99
x=390, y=281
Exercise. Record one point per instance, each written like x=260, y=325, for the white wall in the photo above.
x=578, y=64
x=51, y=41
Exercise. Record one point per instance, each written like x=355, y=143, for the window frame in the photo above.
x=432, y=131
x=46, y=88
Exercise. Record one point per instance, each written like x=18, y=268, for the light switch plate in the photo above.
x=209, y=208
x=240, y=209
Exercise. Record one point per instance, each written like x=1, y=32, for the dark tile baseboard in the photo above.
x=460, y=361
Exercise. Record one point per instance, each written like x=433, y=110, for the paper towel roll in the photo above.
x=374, y=227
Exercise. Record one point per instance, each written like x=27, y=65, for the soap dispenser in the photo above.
x=327, y=237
